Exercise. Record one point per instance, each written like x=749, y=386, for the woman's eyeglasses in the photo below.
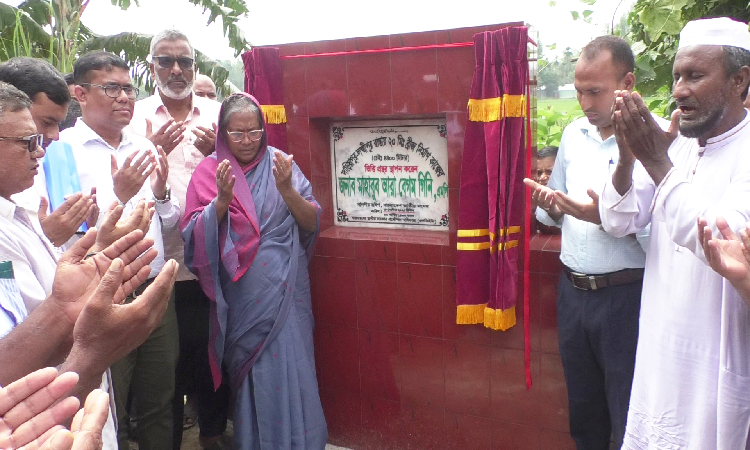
x=167, y=62
x=237, y=136
x=33, y=142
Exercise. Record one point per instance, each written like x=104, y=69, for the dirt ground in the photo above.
x=190, y=440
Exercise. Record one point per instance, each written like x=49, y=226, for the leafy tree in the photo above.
x=553, y=74
x=52, y=30
x=236, y=71
x=655, y=27
x=550, y=124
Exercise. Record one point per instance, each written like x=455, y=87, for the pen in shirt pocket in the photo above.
x=609, y=166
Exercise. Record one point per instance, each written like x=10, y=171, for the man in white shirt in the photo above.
x=600, y=288
x=80, y=322
x=119, y=164
x=50, y=98
x=182, y=123
x=691, y=388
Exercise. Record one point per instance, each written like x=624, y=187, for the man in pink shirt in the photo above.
x=183, y=124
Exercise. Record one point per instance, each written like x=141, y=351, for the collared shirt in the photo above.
x=183, y=159
x=12, y=309
x=585, y=161
x=691, y=385
x=34, y=261
x=93, y=162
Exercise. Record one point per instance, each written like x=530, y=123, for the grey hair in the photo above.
x=547, y=152
x=236, y=103
x=12, y=99
x=734, y=59
x=170, y=35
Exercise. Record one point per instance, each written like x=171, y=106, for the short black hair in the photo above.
x=622, y=54
x=74, y=112
x=32, y=76
x=734, y=59
x=547, y=152
x=12, y=99
x=69, y=78
x=96, y=60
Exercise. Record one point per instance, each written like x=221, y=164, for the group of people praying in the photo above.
x=653, y=306
x=160, y=249
x=153, y=250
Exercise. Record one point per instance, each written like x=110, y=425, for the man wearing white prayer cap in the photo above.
x=691, y=387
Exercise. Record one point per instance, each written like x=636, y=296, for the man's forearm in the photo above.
x=658, y=170
x=89, y=368
x=43, y=338
x=622, y=178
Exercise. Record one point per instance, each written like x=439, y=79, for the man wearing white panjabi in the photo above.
x=691, y=388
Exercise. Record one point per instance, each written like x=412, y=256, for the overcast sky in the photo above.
x=278, y=22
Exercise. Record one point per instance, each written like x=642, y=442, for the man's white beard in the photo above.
x=169, y=92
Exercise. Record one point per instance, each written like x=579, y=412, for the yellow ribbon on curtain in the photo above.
x=496, y=319
x=514, y=105
x=500, y=319
x=474, y=233
x=491, y=245
x=273, y=114
x=496, y=108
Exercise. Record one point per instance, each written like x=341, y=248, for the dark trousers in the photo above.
x=193, y=374
x=147, y=373
x=598, y=332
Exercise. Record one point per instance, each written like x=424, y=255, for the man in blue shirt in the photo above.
x=600, y=288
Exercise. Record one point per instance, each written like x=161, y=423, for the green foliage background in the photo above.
x=53, y=30
x=654, y=28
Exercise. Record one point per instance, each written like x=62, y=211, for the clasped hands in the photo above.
x=640, y=137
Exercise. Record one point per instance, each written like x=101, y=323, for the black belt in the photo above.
x=587, y=282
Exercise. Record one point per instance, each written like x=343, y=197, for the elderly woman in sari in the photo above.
x=249, y=229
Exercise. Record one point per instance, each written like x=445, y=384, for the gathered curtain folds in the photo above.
x=264, y=81
x=492, y=195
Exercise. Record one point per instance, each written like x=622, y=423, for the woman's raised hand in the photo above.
x=282, y=172
x=224, y=188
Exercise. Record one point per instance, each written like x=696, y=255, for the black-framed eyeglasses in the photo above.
x=238, y=136
x=33, y=142
x=167, y=62
x=114, y=90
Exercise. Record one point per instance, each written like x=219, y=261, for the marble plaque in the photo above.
x=391, y=174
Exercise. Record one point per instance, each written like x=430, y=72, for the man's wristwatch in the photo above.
x=166, y=197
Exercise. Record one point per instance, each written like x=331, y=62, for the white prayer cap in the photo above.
x=718, y=31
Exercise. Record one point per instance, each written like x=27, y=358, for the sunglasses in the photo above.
x=167, y=62
x=33, y=142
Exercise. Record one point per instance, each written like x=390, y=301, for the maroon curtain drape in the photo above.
x=264, y=81
x=491, y=202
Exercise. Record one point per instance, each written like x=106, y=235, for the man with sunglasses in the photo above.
x=50, y=99
x=183, y=124
x=126, y=168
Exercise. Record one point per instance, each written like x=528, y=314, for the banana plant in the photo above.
x=53, y=30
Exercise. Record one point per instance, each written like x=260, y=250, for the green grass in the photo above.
x=567, y=105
